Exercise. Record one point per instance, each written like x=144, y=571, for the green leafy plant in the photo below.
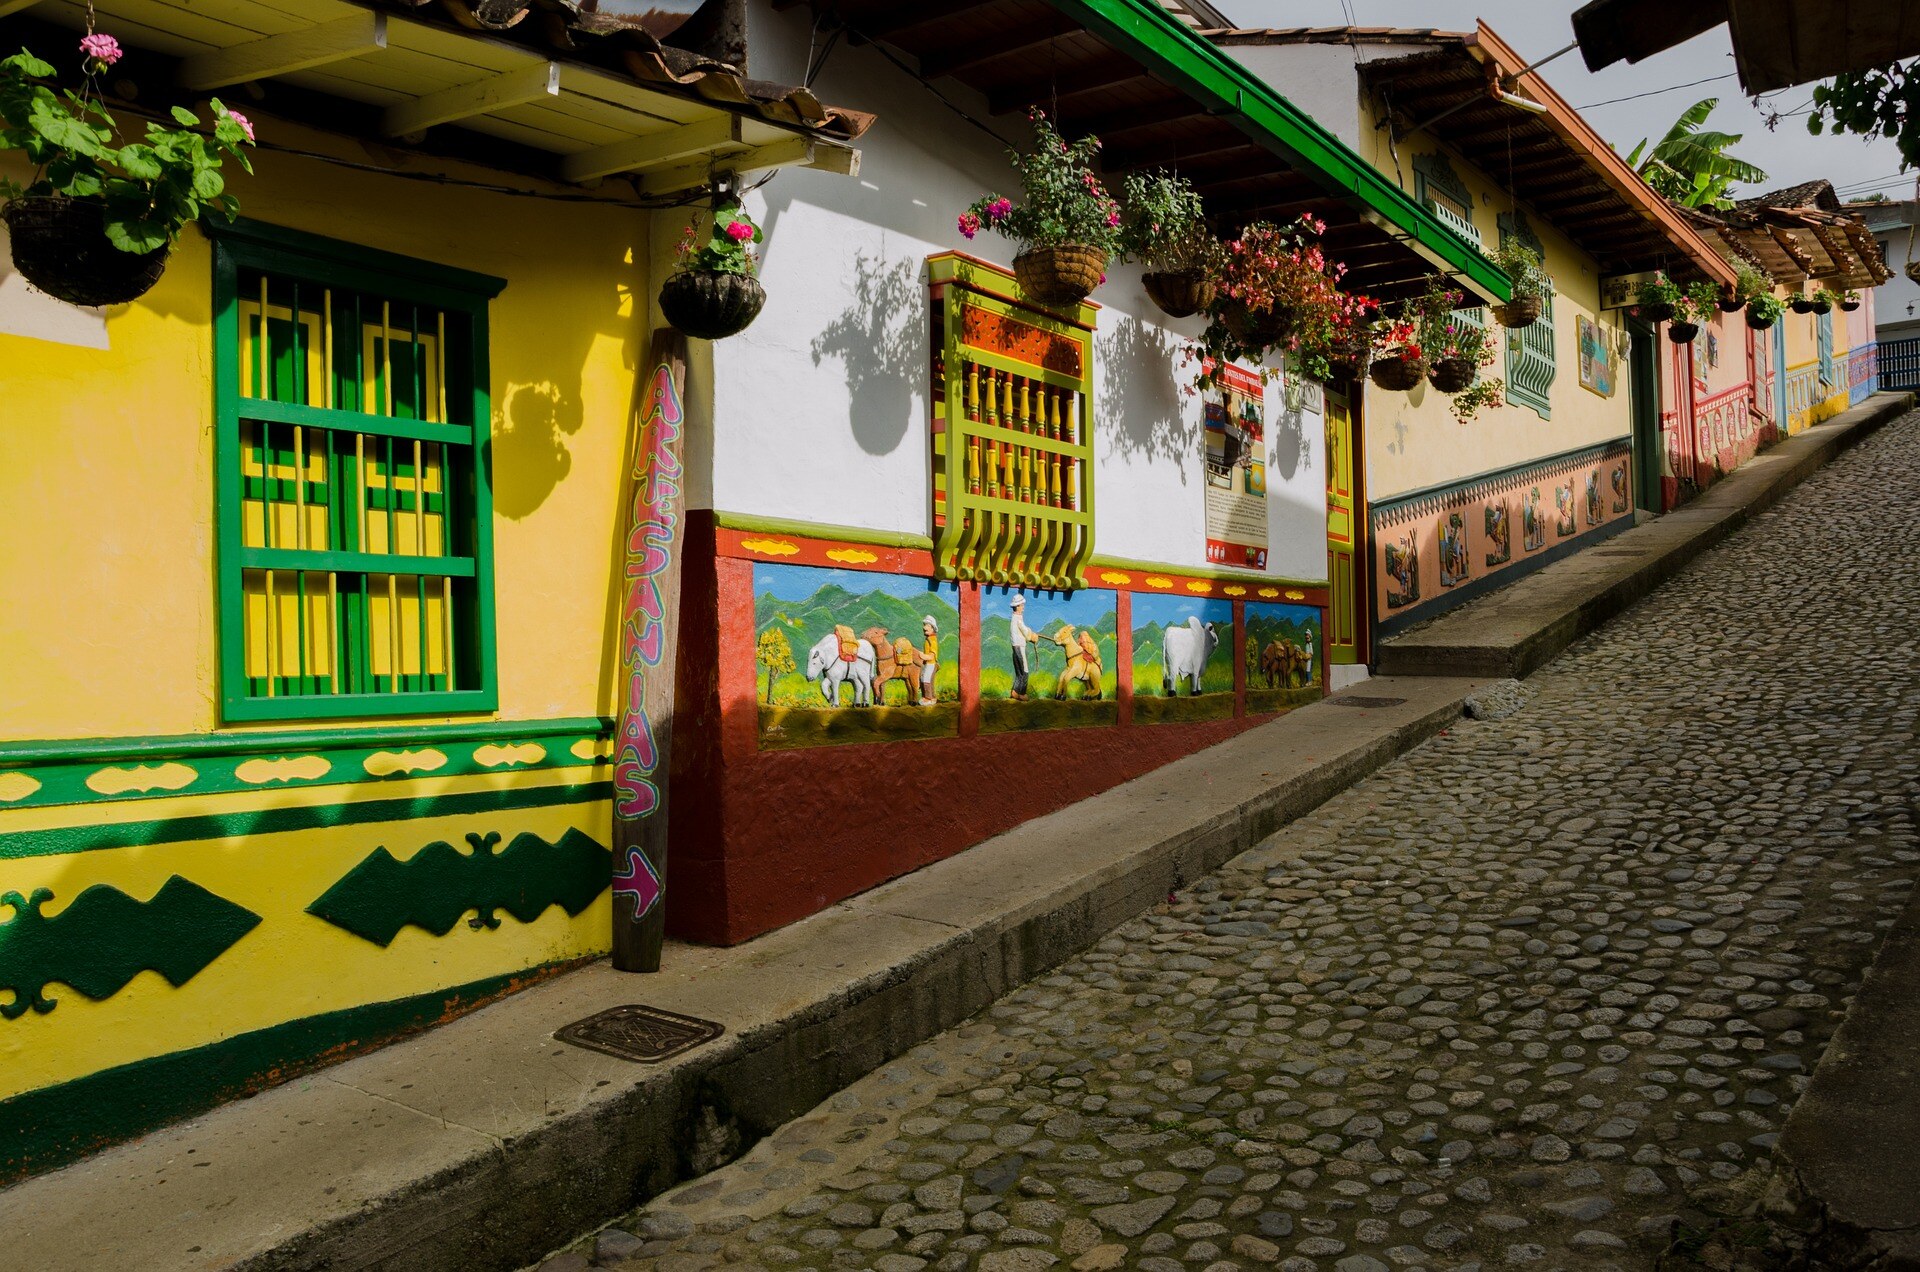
x=1690, y=165
x=1440, y=334
x=1477, y=397
x=1827, y=296
x=1163, y=225
x=729, y=246
x=1699, y=302
x=1521, y=264
x=1065, y=204
x=150, y=189
x=1750, y=282
x=1276, y=281
x=1659, y=290
x=1765, y=309
x=1878, y=102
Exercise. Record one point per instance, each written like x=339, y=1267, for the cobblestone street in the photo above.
x=1521, y=998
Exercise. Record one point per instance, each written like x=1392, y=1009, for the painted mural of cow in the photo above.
x=1184, y=652
x=835, y=661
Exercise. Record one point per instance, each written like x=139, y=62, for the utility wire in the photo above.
x=1654, y=92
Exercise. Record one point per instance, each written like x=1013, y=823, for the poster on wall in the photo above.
x=1283, y=656
x=1048, y=660
x=1236, y=470
x=1599, y=365
x=850, y=656
x=1182, y=658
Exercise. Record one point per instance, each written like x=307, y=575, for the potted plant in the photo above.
x=1465, y=348
x=1697, y=304
x=1823, y=301
x=1350, y=347
x=1164, y=227
x=95, y=222
x=1401, y=363
x=1521, y=264
x=714, y=293
x=1658, y=298
x=1748, y=283
x=1764, y=310
x=1069, y=225
x=1477, y=396
x=1801, y=303
x=1849, y=300
x=1279, y=292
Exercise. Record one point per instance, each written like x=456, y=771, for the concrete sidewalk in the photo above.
x=483, y=1143
x=1517, y=630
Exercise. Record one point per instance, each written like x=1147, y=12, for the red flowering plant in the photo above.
x=1477, y=396
x=1065, y=204
x=1279, y=293
x=1399, y=337
x=729, y=246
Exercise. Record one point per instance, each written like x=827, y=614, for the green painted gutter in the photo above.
x=1151, y=36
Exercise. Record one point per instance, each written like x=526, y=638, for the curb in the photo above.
x=1513, y=632
x=484, y=1142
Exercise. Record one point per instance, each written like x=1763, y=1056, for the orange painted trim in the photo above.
x=1490, y=49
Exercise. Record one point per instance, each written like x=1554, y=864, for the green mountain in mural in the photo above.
x=996, y=644
x=806, y=622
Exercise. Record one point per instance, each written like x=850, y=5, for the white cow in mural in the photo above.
x=1184, y=652
x=830, y=670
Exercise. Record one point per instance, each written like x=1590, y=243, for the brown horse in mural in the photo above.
x=1281, y=659
x=894, y=660
x=1082, y=653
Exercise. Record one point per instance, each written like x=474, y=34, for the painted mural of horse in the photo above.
x=1082, y=653
x=1282, y=660
x=830, y=667
x=894, y=660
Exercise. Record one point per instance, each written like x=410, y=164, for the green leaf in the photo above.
x=140, y=162
x=207, y=183
x=138, y=237
x=186, y=117
x=29, y=65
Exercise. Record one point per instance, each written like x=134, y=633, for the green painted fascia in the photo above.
x=44, y=1129
x=1145, y=31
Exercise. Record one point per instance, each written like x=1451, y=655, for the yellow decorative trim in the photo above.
x=1154, y=580
x=1296, y=596
x=1198, y=586
x=387, y=763
x=1114, y=576
x=16, y=786
x=491, y=756
x=142, y=777
x=1234, y=589
x=592, y=749
x=770, y=547
x=306, y=767
x=852, y=556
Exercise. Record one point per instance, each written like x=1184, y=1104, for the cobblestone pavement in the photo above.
x=1521, y=998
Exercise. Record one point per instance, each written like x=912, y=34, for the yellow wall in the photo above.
x=107, y=602
x=1412, y=439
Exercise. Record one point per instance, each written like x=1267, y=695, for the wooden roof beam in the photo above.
x=353, y=36
x=971, y=56
x=1106, y=73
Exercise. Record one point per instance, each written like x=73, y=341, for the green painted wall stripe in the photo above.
x=1145, y=31
x=89, y=838
x=48, y=1128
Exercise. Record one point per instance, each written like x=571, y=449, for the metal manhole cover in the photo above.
x=1366, y=702
x=634, y=1032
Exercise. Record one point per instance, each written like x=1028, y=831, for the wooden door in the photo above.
x=1345, y=623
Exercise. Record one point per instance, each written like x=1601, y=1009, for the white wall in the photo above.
x=819, y=409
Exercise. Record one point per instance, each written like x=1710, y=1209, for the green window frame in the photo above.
x=1439, y=189
x=1823, y=343
x=1530, y=355
x=353, y=488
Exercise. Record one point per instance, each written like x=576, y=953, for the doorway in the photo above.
x=1643, y=399
x=1346, y=582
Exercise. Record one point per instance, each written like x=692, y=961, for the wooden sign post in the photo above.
x=648, y=635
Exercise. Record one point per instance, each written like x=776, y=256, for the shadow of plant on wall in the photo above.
x=1287, y=426
x=1142, y=410
x=881, y=345
x=530, y=445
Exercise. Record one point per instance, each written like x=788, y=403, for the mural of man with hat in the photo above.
x=1020, y=636
x=932, y=651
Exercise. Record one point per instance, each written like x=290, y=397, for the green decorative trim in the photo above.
x=1101, y=562
x=1436, y=170
x=751, y=524
x=437, y=885
x=105, y=938
x=92, y=837
x=1145, y=31
x=55, y=1125
x=112, y=770
x=1465, y=490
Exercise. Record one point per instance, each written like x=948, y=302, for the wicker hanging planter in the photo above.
x=1822, y=306
x=1179, y=293
x=60, y=245
x=1849, y=305
x=1452, y=375
x=1757, y=322
x=1801, y=305
x=1060, y=277
x=1397, y=374
x=1257, y=328
x=1521, y=311
x=1730, y=304
x=1657, y=312
x=711, y=304
x=1349, y=361
x=1682, y=332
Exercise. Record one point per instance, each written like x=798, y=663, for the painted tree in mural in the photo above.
x=1691, y=165
x=775, y=653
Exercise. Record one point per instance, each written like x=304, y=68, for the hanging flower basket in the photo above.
x=1801, y=304
x=1257, y=328
x=60, y=245
x=1682, y=332
x=1348, y=359
x=1657, y=312
x=1849, y=305
x=1730, y=304
x=1398, y=374
x=1521, y=311
x=1060, y=277
x=1452, y=375
x=1760, y=322
x=1822, y=306
x=711, y=304
x=1179, y=293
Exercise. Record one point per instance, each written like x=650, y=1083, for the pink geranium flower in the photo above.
x=101, y=49
x=999, y=209
x=969, y=224
x=246, y=125
x=739, y=231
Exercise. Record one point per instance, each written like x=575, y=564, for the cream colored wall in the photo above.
x=1412, y=439
x=107, y=610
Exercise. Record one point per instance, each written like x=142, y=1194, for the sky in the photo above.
x=1536, y=28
